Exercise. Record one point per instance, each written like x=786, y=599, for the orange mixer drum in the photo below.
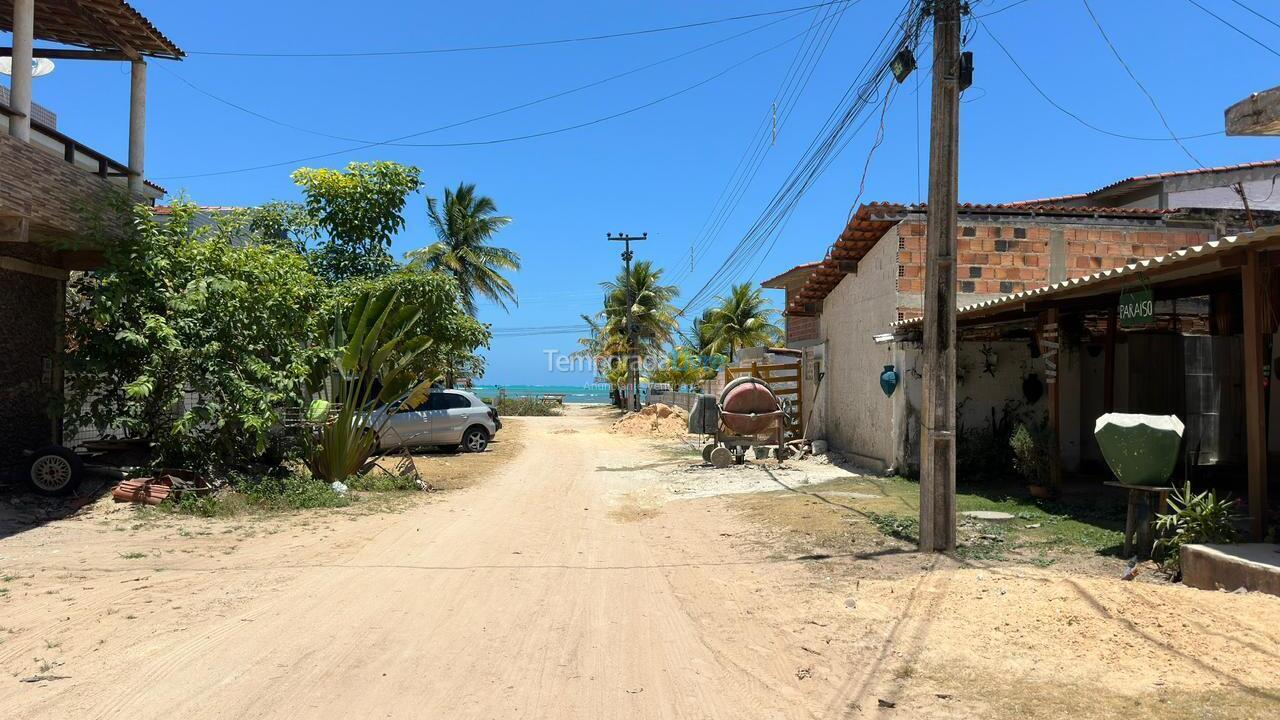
x=745, y=396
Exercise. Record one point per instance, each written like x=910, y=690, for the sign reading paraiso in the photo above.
x=1136, y=308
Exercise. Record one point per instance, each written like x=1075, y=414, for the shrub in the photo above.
x=1030, y=455
x=1196, y=518
x=528, y=406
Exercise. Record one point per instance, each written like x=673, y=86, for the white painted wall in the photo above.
x=861, y=306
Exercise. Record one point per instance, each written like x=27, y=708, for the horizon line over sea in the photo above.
x=592, y=393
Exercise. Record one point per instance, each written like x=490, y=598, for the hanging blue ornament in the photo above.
x=889, y=380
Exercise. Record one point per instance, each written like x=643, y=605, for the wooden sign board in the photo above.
x=1136, y=308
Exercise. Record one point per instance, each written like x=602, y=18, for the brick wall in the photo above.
x=1000, y=258
x=54, y=193
x=801, y=328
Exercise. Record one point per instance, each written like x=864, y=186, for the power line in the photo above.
x=1014, y=4
x=1136, y=81
x=496, y=141
x=485, y=116
x=802, y=66
x=1058, y=106
x=1260, y=16
x=1224, y=21
x=823, y=149
x=508, y=46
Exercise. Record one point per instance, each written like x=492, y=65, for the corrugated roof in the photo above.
x=1154, y=177
x=1164, y=263
x=96, y=24
x=873, y=220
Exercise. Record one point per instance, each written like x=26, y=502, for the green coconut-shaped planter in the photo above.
x=1140, y=449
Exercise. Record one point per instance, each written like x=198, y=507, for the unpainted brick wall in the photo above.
x=52, y=192
x=1002, y=258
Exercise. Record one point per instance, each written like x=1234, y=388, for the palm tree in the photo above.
x=743, y=319
x=638, y=297
x=464, y=225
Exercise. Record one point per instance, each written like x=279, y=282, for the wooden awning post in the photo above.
x=1050, y=340
x=1255, y=413
x=1109, y=364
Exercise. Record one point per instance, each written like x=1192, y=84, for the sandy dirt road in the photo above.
x=522, y=597
x=577, y=582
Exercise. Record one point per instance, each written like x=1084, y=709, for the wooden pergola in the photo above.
x=97, y=30
x=1246, y=264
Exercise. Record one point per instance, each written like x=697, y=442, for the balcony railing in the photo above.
x=72, y=151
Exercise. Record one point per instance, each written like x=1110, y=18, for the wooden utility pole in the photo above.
x=633, y=369
x=938, y=414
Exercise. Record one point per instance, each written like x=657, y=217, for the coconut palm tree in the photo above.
x=465, y=223
x=638, y=297
x=742, y=319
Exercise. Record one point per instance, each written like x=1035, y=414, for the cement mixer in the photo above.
x=746, y=414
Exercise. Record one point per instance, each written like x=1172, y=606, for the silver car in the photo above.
x=447, y=418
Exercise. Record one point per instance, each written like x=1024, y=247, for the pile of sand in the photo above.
x=655, y=421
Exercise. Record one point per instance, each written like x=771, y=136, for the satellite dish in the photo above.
x=39, y=66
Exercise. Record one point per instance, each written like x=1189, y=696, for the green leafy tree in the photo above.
x=360, y=210
x=455, y=334
x=190, y=337
x=465, y=223
x=743, y=319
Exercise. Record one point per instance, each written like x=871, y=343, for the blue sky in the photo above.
x=658, y=170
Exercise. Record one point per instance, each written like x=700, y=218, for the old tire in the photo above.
x=475, y=439
x=54, y=470
x=707, y=450
x=721, y=457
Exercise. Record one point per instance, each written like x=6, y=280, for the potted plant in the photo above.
x=1031, y=460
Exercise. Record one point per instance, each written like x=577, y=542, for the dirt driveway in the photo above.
x=565, y=586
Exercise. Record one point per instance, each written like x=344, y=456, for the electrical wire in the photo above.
x=823, y=149
x=1156, y=106
x=508, y=46
x=494, y=141
x=1259, y=15
x=790, y=89
x=1224, y=21
x=1014, y=4
x=1064, y=110
x=485, y=116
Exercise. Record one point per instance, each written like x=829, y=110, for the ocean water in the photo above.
x=572, y=393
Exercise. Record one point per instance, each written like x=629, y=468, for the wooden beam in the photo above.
x=1050, y=341
x=63, y=54
x=1109, y=365
x=1255, y=413
x=30, y=268
x=1258, y=114
x=105, y=28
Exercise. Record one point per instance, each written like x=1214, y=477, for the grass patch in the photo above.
x=384, y=482
x=295, y=491
x=527, y=407
x=898, y=527
x=133, y=555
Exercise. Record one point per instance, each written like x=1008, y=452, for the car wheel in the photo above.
x=475, y=440
x=55, y=471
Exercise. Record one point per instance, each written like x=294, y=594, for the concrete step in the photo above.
x=1252, y=566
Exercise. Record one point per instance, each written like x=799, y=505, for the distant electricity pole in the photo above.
x=938, y=439
x=633, y=369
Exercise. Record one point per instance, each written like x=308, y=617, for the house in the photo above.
x=801, y=331
x=56, y=199
x=873, y=275
x=1194, y=346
